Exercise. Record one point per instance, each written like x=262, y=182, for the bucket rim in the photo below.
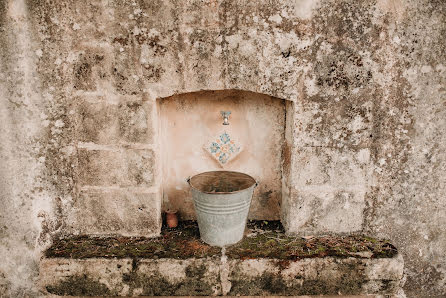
x=254, y=182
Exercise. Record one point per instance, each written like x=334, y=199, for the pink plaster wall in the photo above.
x=189, y=121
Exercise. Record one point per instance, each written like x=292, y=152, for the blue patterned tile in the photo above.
x=223, y=148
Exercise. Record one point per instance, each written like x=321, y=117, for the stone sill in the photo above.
x=266, y=262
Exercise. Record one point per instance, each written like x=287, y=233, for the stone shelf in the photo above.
x=265, y=262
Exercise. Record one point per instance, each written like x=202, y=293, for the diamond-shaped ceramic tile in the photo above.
x=223, y=148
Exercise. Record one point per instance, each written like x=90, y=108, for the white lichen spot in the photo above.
x=440, y=68
x=68, y=150
x=218, y=50
x=247, y=49
x=275, y=18
x=303, y=9
x=410, y=74
x=356, y=124
x=284, y=43
x=326, y=47
x=396, y=39
x=121, y=50
x=59, y=123
x=54, y=20
x=233, y=41
x=311, y=86
x=39, y=53
x=426, y=69
x=76, y=26
x=382, y=161
x=72, y=57
x=363, y=156
x=136, y=31
x=58, y=61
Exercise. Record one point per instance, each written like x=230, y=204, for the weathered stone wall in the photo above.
x=79, y=82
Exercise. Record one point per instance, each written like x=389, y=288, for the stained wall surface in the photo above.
x=79, y=81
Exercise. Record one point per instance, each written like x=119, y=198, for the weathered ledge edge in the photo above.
x=220, y=276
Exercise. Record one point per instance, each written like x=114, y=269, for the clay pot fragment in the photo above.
x=171, y=218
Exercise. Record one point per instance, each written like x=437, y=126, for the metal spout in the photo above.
x=225, y=115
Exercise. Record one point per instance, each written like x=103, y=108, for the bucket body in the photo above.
x=222, y=200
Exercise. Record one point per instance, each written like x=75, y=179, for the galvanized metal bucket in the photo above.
x=222, y=200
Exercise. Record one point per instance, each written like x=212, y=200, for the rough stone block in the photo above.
x=325, y=210
x=319, y=276
x=214, y=276
x=333, y=123
x=327, y=190
x=103, y=123
x=330, y=166
x=128, y=277
x=91, y=69
x=122, y=212
x=124, y=167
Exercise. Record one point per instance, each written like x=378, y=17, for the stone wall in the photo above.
x=364, y=81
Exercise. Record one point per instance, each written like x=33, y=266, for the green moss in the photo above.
x=159, y=286
x=79, y=286
x=150, y=285
x=265, y=240
x=181, y=243
x=275, y=244
x=349, y=282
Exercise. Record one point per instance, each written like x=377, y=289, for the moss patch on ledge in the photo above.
x=180, y=243
x=272, y=245
x=262, y=240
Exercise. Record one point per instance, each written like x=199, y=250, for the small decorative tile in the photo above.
x=223, y=148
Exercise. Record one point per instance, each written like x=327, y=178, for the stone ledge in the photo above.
x=217, y=276
x=266, y=262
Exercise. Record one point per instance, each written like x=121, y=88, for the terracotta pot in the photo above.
x=171, y=218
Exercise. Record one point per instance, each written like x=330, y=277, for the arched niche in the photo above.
x=187, y=122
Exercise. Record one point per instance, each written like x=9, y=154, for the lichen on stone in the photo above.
x=79, y=286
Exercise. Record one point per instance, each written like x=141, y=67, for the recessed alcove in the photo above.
x=189, y=121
